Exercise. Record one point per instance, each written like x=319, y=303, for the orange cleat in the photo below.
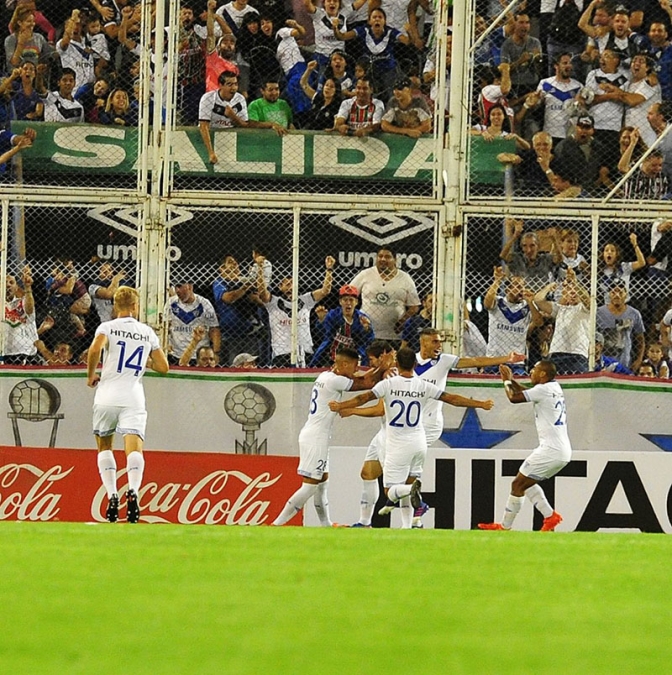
x=491, y=526
x=551, y=522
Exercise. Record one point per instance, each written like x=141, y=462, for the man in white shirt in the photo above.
x=20, y=329
x=553, y=452
x=60, y=106
x=389, y=296
x=128, y=347
x=74, y=53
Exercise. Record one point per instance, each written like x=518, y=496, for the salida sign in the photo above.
x=186, y=488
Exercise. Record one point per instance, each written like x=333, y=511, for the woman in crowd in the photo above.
x=24, y=44
x=117, y=109
x=324, y=103
x=498, y=127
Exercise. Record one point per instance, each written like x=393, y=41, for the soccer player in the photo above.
x=404, y=396
x=128, y=348
x=316, y=433
x=553, y=452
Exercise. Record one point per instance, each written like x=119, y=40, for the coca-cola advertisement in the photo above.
x=40, y=484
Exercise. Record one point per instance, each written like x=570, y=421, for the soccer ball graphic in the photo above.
x=34, y=400
x=249, y=405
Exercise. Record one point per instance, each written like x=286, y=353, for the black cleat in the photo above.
x=112, y=513
x=416, y=497
x=132, y=507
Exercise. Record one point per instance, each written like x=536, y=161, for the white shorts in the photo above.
x=400, y=463
x=110, y=418
x=313, y=458
x=542, y=464
x=376, y=450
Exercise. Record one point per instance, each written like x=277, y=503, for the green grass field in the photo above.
x=80, y=598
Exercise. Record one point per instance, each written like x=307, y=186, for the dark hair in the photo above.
x=506, y=124
x=406, y=358
x=67, y=71
x=379, y=347
x=549, y=368
x=348, y=352
x=224, y=74
x=271, y=78
x=558, y=57
x=387, y=248
x=378, y=9
x=430, y=331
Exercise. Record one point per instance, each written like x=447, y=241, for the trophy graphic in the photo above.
x=250, y=405
x=34, y=400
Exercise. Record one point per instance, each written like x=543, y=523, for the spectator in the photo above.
x=102, y=290
x=11, y=144
x=498, y=127
x=564, y=179
x=648, y=182
x=60, y=106
x=93, y=98
x=612, y=271
x=337, y=69
x=345, y=326
x=183, y=312
x=63, y=354
x=236, y=302
x=20, y=327
x=389, y=296
x=377, y=41
x=646, y=12
x=117, y=109
x=655, y=359
x=619, y=39
x=429, y=77
x=75, y=54
x=224, y=108
x=571, y=338
x=554, y=93
x=414, y=325
x=190, y=68
x=97, y=42
x=532, y=166
x=631, y=148
x=205, y=355
x=325, y=103
x=565, y=35
x=521, y=55
x=646, y=370
x=24, y=44
x=279, y=308
x=510, y=317
x=67, y=298
x=111, y=13
x=659, y=117
x=26, y=102
x=220, y=54
x=571, y=258
x=607, y=364
x=322, y=17
x=233, y=13
x=245, y=361
x=656, y=46
x=406, y=114
x=622, y=328
x=495, y=86
x=529, y=262
x=270, y=111
x=361, y=116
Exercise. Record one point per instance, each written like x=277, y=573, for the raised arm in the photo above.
x=641, y=260
x=307, y=89
x=505, y=253
x=513, y=389
x=322, y=293
x=491, y=294
x=196, y=336
x=361, y=399
x=464, y=402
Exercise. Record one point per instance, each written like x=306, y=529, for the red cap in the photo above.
x=349, y=290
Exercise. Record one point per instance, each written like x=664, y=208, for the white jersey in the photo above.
x=556, y=95
x=550, y=416
x=636, y=116
x=507, y=327
x=102, y=305
x=80, y=58
x=280, y=321
x=608, y=115
x=129, y=344
x=572, y=329
x=396, y=13
x=234, y=17
x=405, y=398
x=385, y=301
x=212, y=108
x=184, y=317
x=288, y=52
x=99, y=46
x=325, y=40
x=328, y=387
x=59, y=109
x=20, y=331
x=434, y=371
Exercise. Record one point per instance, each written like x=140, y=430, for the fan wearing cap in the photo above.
x=406, y=114
x=345, y=326
x=245, y=360
x=607, y=364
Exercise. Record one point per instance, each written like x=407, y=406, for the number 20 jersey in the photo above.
x=129, y=344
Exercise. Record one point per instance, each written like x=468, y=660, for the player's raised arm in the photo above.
x=514, y=391
x=361, y=399
x=464, y=402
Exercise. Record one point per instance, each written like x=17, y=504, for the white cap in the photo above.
x=242, y=359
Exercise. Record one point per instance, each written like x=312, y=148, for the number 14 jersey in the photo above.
x=129, y=344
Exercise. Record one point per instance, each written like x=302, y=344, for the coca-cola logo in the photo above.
x=220, y=498
x=35, y=503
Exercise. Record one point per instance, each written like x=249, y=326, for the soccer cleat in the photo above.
x=417, y=524
x=132, y=507
x=421, y=510
x=112, y=513
x=388, y=508
x=551, y=522
x=491, y=526
x=416, y=497
x=360, y=525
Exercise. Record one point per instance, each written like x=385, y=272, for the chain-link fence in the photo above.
x=577, y=291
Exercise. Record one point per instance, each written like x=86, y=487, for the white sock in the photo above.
x=295, y=503
x=513, y=506
x=397, y=492
x=406, y=511
x=370, y=494
x=538, y=498
x=321, y=503
x=107, y=468
x=135, y=465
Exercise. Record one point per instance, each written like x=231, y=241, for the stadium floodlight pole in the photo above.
x=493, y=25
x=638, y=163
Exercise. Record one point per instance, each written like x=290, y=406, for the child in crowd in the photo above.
x=612, y=269
x=656, y=359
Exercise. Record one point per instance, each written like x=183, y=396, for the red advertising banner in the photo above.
x=40, y=484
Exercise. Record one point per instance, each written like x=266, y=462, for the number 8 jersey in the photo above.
x=129, y=344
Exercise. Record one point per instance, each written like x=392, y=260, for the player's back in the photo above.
x=129, y=344
x=328, y=387
x=550, y=415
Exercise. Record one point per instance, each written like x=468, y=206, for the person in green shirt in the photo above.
x=270, y=111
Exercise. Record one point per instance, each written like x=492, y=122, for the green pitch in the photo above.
x=160, y=599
